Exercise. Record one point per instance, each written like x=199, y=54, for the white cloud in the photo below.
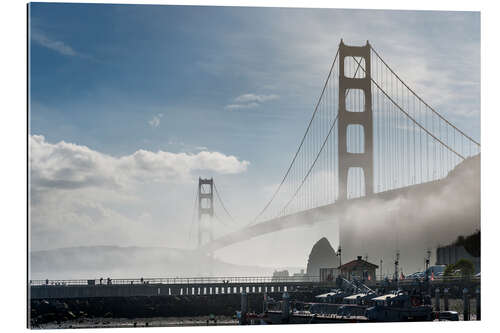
x=155, y=122
x=245, y=98
x=68, y=166
x=79, y=196
x=55, y=45
x=250, y=101
x=241, y=106
x=165, y=166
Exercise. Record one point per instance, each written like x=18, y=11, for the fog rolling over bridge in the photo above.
x=376, y=160
x=411, y=220
x=415, y=219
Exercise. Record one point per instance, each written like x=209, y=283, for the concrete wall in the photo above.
x=85, y=291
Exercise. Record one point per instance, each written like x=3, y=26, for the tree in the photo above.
x=463, y=268
x=449, y=270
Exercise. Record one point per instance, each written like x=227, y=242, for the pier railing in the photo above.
x=221, y=280
x=180, y=280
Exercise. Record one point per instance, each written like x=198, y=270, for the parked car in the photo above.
x=416, y=275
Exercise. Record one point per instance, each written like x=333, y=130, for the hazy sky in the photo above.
x=129, y=105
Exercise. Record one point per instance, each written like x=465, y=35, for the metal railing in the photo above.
x=179, y=280
x=434, y=281
x=441, y=279
x=222, y=280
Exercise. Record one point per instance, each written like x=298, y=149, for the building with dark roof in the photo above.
x=358, y=269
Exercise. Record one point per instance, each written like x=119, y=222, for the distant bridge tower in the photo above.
x=205, y=208
x=347, y=160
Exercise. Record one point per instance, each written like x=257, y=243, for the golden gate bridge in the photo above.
x=369, y=136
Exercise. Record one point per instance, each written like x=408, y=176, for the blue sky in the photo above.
x=242, y=82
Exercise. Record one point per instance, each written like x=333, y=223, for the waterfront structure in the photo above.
x=301, y=273
x=328, y=273
x=197, y=286
x=358, y=269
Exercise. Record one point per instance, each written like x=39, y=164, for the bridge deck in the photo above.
x=311, y=216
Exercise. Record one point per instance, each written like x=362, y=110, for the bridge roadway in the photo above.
x=47, y=289
x=311, y=216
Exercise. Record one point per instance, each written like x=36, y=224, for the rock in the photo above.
x=322, y=255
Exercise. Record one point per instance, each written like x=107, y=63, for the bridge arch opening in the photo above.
x=353, y=67
x=356, y=186
x=355, y=139
x=355, y=100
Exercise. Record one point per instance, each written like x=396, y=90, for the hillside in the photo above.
x=132, y=262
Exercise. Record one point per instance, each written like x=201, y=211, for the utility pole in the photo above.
x=427, y=262
x=339, y=253
x=396, y=268
x=381, y=261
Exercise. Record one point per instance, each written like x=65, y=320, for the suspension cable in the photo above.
x=415, y=94
x=411, y=118
x=314, y=162
x=321, y=149
x=220, y=220
x=222, y=203
x=193, y=215
x=301, y=142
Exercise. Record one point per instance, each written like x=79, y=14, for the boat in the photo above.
x=400, y=306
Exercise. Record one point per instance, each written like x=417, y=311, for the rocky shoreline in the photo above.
x=100, y=322
x=173, y=310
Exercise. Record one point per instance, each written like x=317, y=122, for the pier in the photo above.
x=203, y=286
x=196, y=286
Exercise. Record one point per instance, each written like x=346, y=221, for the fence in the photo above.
x=179, y=280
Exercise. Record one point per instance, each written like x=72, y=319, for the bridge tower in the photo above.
x=347, y=160
x=205, y=208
